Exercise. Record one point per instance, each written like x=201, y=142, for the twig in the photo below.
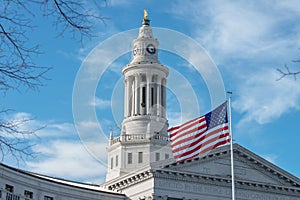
x=287, y=73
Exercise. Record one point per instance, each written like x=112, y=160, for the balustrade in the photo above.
x=139, y=137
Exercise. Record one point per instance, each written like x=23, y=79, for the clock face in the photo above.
x=151, y=49
x=136, y=50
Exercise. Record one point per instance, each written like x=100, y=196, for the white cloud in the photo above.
x=240, y=29
x=89, y=124
x=262, y=99
x=118, y=2
x=67, y=159
x=53, y=129
x=100, y=103
x=237, y=28
x=41, y=128
x=249, y=40
x=59, y=151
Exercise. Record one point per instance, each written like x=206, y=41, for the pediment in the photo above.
x=248, y=167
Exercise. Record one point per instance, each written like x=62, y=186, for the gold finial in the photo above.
x=145, y=14
x=146, y=20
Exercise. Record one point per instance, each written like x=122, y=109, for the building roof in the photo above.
x=60, y=181
x=240, y=151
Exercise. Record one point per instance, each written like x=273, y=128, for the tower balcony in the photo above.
x=140, y=138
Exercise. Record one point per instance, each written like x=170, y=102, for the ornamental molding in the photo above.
x=180, y=177
x=144, y=65
x=216, y=181
x=130, y=181
x=243, y=155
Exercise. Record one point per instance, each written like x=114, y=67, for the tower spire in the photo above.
x=146, y=20
x=144, y=138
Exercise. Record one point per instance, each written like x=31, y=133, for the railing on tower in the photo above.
x=139, y=138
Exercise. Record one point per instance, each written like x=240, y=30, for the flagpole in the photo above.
x=231, y=147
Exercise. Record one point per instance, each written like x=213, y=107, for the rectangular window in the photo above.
x=28, y=194
x=152, y=96
x=48, y=198
x=143, y=96
x=111, y=163
x=117, y=160
x=140, y=160
x=157, y=156
x=9, y=188
x=167, y=156
x=129, y=158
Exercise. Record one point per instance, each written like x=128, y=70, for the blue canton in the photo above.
x=217, y=117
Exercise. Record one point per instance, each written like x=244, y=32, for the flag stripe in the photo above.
x=200, y=135
x=214, y=130
x=186, y=126
x=181, y=145
x=201, y=146
x=223, y=142
x=176, y=127
x=190, y=134
x=188, y=147
x=205, y=145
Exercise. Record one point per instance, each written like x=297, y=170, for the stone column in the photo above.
x=154, y=93
x=125, y=98
x=132, y=96
x=148, y=94
x=163, y=98
x=158, y=96
x=129, y=96
x=137, y=94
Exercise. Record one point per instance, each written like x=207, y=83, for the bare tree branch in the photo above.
x=74, y=16
x=14, y=138
x=16, y=56
x=17, y=66
x=287, y=73
x=18, y=69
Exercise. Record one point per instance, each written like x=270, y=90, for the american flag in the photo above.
x=200, y=135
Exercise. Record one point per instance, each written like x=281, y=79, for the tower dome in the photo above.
x=145, y=46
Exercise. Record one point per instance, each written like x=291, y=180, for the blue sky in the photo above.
x=246, y=40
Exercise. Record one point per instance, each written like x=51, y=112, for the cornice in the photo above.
x=202, y=179
x=250, y=158
x=268, y=168
x=146, y=65
x=129, y=181
x=225, y=181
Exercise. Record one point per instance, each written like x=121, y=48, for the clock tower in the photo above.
x=144, y=138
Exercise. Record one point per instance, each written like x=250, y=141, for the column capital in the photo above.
x=148, y=76
x=129, y=78
x=159, y=78
x=138, y=74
